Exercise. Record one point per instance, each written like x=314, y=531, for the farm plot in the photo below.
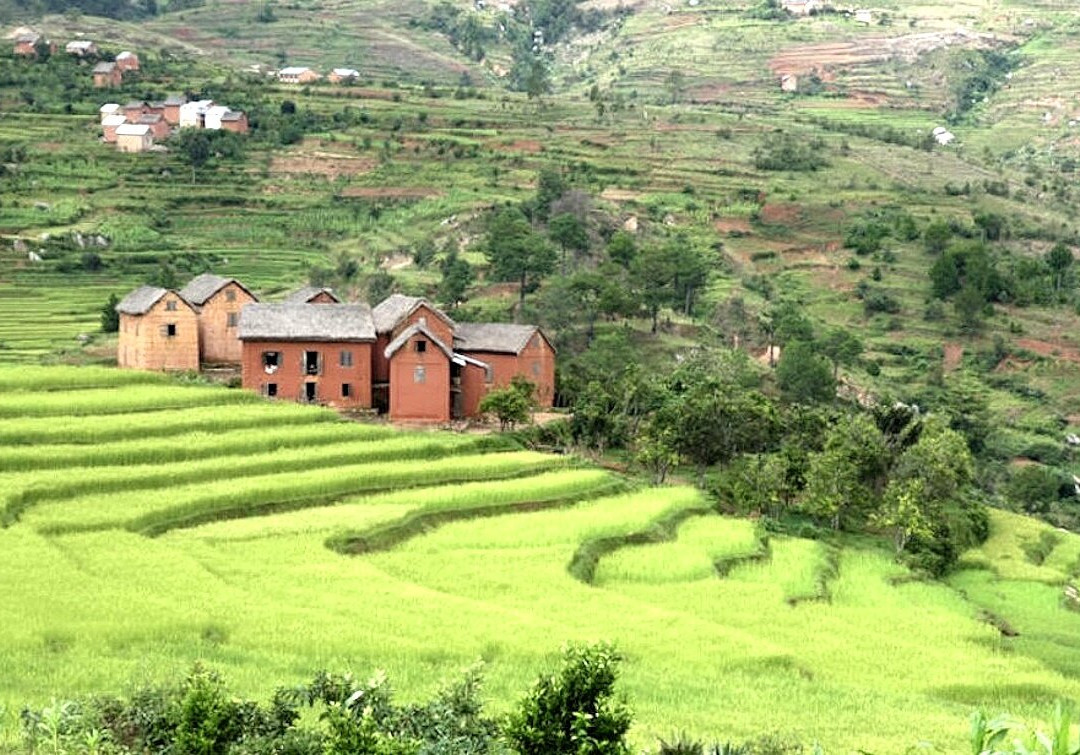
x=271, y=540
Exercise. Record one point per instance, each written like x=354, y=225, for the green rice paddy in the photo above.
x=419, y=552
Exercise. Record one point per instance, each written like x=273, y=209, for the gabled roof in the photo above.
x=346, y=72
x=125, y=54
x=150, y=118
x=132, y=129
x=411, y=331
x=104, y=67
x=232, y=115
x=307, y=293
x=109, y=107
x=200, y=288
x=396, y=307
x=141, y=300
x=304, y=322
x=175, y=99
x=135, y=104
x=113, y=120
x=293, y=70
x=495, y=337
x=30, y=38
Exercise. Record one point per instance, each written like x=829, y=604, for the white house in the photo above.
x=193, y=114
x=133, y=137
x=213, y=115
x=109, y=108
x=864, y=16
x=802, y=7
x=943, y=136
x=339, y=75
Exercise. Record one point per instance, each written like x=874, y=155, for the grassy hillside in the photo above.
x=118, y=571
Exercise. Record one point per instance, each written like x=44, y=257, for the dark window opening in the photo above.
x=346, y=390
x=170, y=329
x=309, y=391
x=230, y=295
x=311, y=362
x=346, y=358
x=231, y=319
x=170, y=306
x=421, y=347
x=271, y=389
x=271, y=358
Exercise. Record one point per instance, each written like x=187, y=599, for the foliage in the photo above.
x=110, y=318
x=782, y=150
x=573, y=711
x=804, y=376
x=510, y=405
x=516, y=252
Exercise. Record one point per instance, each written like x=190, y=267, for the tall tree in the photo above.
x=1060, y=260
x=457, y=276
x=804, y=376
x=569, y=233
x=516, y=252
x=842, y=347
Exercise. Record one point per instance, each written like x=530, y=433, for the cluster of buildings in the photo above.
x=135, y=127
x=305, y=75
x=106, y=73
x=404, y=357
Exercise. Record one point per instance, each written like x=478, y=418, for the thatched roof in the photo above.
x=307, y=293
x=142, y=300
x=411, y=331
x=391, y=311
x=497, y=337
x=304, y=322
x=200, y=288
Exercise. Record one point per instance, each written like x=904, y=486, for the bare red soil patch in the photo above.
x=780, y=214
x=522, y=145
x=954, y=353
x=321, y=164
x=613, y=194
x=1048, y=349
x=738, y=225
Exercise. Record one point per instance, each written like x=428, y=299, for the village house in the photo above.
x=235, y=121
x=212, y=116
x=107, y=75
x=343, y=76
x=297, y=75
x=109, y=124
x=81, y=48
x=789, y=83
x=159, y=128
x=27, y=44
x=802, y=7
x=193, y=114
x=127, y=61
x=303, y=352
x=171, y=108
x=218, y=302
x=158, y=331
x=312, y=295
x=109, y=108
x=133, y=137
x=508, y=350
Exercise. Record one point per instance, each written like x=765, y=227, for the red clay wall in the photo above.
x=380, y=365
x=536, y=363
x=290, y=375
x=322, y=298
x=473, y=388
x=431, y=321
x=144, y=343
x=217, y=339
x=426, y=401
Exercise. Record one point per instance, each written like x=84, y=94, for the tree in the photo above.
x=194, y=146
x=537, y=80
x=457, y=276
x=110, y=318
x=516, y=252
x=676, y=84
x=550, y=186
x=652, y=277
x=622, y=249
x=936, y=236
x=510, y=405
x=842, y=347
x=804, y=376
x=1060, y=260
x=569, y=233
x=791, y=324
x=573, y=711
x=380, y=285
x=845, y=477
x=904, y=512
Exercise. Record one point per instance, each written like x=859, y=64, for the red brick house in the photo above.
x=127, y=61
x=303, y=352
x=235, y=121
x=26, y=45
x=158, y=126
x=312, y=295
x=507, y=350
x=171, y=108
x=107, y=75
x=219, y=302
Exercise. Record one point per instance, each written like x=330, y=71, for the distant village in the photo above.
x=136, y=126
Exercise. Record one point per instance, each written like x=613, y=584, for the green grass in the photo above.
x=469, y=556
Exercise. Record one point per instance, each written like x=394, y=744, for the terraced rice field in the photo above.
x=148, y=525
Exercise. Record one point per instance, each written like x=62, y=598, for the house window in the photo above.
x=230, y=295
x=419, y=375
x=271, y=360
x=309, y=391
x=170, y=329
x=536, y=369
x=170, y=306
x=489, y=375
x=311, y=363
x=271, y=389
x=346, y=390
x=421, y=347
x=232, y=319
x=346, y=358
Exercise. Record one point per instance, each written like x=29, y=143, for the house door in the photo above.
x=309, y=391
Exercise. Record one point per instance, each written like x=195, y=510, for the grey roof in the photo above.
x=139, y=301
x=304, y=322
x=396, y=307
x=233, y=115
x=496, y=337
x=150, y=118
x=175, y=99
x=134, y=104
x=31, y=37
x=411, y=331
x=104, y=67
x=202, y=287
x=307, y=293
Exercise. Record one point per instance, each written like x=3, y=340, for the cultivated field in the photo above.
x=151, y=525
